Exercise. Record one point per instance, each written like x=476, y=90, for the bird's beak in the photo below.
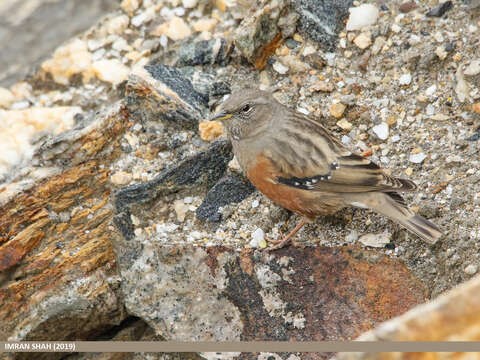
x=221, y=116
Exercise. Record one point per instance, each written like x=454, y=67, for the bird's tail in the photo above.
x=393, y=206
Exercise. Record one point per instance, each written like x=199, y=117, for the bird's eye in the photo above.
x=245, y=108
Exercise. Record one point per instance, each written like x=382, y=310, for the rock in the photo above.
x=222, y=287
x=407, y=6
x=440, y=10
x=259, y=34
x=337, y=110
x=68, y=60
x=205, y=24
x=130, y=6
x=118, y=24
x=405, y=79
x=381, y=130
x=322, y=20
x=417, y=158
x=228, y=190
x=121, y=178
x=362, y=16
x=54, y=231
x=322, y=86
x=167, y=93
x=476, y=108
x=396, y=28
x=176, y=29
x=363, y=41
x=473, y=69
x=440, y=52
x=203, y=169
x=210, y=130
x=344, y=124
x=112, y=71
x=189, y=4
x=6, y=98
x=280, y=68
x=375, y=240
x=462, y=88
x=206, y=52
x=471, y=269
x=18, y=128
x=475, y=136
x=450, y=316
x=258, y=239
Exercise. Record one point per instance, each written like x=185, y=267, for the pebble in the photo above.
x=112, y=71
x=396, y=28
x=130, y=6
x=476, y=107
x=462, y=88
x=405, y=79
x=409, y=171
x=322, y=86
x=118, y=24
x=175, y=29
x=337, y=110
x=431, y=90
x=346, y=140
x=440, y=10
x=473, y=69
x=204, y=24
x=395, y=138
x=189, y=4
x=352, y=237
x=210, y=130
x=255, y=203
x=180, y=209
x=363, y=41
x=375, y=240
x=344, y=124
x=441, y=53
x=417, y=158
x=121, y=178
x=407, y=6
x=258, y=239
x=471, y=269
x=188, y=200
x=381, y=130
x=70, y=59
x=430, y=110
x=280, y=68
x=361, y=16
x=6, y=98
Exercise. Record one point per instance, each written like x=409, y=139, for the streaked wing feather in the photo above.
x=316, y=161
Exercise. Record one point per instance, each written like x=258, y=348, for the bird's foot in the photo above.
x=283, y=241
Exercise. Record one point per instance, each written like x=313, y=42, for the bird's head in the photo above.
x=244, y=113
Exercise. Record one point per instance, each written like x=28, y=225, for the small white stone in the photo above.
x=6, y=98
x=258, y=238
x=361, y=16
x=405, y=79
x=346, y=140
x=189, y=4
x=280, y=68
x=363, y=41
x=471, y=269
x=395, y=138
x=440, y=52
x=431, y=90
x=255, y=203
x=430, y=110
x=344, y=124
x=121, y=178
x=473, y=68
x=352, y=237
x=375, y=240
x=188, y=200
x=396, y=29
x=381, y=130
x=417, y=158
x=438, y=37
x=112, y=71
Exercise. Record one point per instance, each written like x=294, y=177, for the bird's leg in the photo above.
x=288, y=238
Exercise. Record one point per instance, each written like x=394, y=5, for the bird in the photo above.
x=296, y=162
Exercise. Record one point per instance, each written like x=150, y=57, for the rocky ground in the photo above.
x=141, y=168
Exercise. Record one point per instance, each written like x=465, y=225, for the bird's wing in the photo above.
x=308, y=157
